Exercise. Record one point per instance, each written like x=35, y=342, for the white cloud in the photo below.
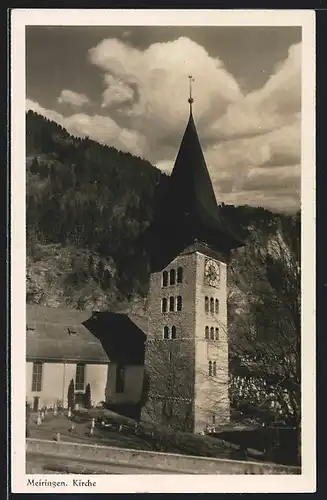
x=72, y=98
x=48, y=113
x=105, y=130
x=252, y=143
x=165, y=165
x=236, y=165
x=273, y=106
x=155, y=84
x=99, y=128
x=285, y=200
x=116, y=92
x=278, y=147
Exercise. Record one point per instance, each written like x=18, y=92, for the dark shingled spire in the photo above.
x=191, y=193
x=188, y=212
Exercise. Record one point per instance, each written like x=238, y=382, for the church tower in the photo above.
x=186, y=356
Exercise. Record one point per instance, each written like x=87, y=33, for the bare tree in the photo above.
x=171, y=376
x=264, y=341
x=170, y=390
x=265, y=320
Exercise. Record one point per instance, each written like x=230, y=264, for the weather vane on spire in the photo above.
x=190, y=99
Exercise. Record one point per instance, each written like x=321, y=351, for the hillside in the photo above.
x=87, y=206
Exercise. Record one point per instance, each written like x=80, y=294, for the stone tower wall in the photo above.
x=170, y=363
x=211, y=398
x=178, y=369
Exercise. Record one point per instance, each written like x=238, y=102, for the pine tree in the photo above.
x=71, y=395
x=88, y=399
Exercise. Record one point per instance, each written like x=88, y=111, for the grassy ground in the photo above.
x=145, y=437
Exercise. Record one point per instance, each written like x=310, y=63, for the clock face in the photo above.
x=212, y=273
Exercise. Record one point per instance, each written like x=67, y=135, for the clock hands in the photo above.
x=212, y=274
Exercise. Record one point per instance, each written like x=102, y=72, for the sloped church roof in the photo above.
x=188, y=211
x=66, y=335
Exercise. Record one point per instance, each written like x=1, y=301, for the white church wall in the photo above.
x=132, y=388
x=96, y=375
x=56, y=378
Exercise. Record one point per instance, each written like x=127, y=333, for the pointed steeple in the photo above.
x=191, y=189
x=189, y=210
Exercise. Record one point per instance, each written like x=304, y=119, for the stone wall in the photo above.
x=174, y=463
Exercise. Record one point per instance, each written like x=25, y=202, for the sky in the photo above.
x=128, y=87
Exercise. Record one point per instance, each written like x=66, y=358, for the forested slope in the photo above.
x=87, y=205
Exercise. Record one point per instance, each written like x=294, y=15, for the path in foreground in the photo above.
x=40, y=464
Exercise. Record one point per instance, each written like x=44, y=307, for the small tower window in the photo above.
x=179, y=303
x=214, y=368
x=213, y=419
x=173, y=332
x=172, y=277
x=171, y=304
x=212, y=333
x=217, y=333
x=212, y=305
x=166, y=332
x=165, y=278
x=164, y=305
x=206, y=334
x=206, y=304
x=180, y=275
x=216, y=306
x=210, y=368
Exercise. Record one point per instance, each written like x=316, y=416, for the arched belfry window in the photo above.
x=212, y=333
x=173, y=332
x=206, y=304
x=206, y=332
x=166, y=332
x=214, y=368
x=171, y=304
x=180, y=275
x=210, y=368
x=217, y=333
x=164, y=305
x=179, y=303
x=172, y=277
x=212, y=305
x=216, y=306
x=165, y=278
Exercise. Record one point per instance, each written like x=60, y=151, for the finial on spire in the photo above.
x=190, y=99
